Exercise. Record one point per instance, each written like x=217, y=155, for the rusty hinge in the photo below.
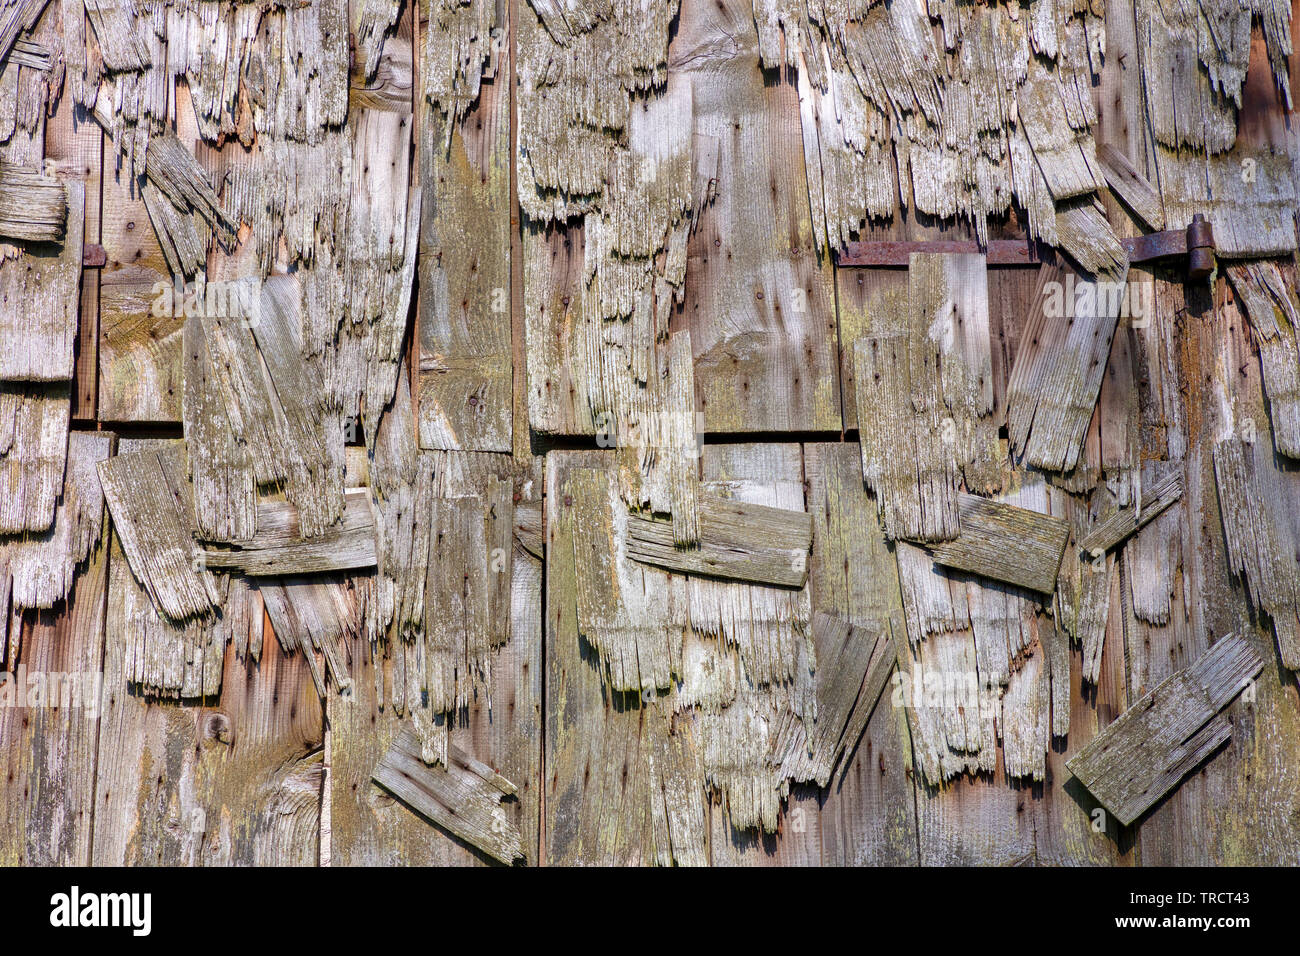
x=93, y=256
x=1196, y=242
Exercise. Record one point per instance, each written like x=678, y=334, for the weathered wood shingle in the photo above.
x=1164, y=736
x=464, y=796
x=153, y=512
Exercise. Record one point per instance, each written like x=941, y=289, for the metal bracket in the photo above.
x=1196, y=242
x=93, y=256
x=1000, y=252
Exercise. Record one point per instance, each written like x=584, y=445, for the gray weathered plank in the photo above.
x=465, y=381
x=153, y=512
x=1167, y=733
x=1005, y=543
x=42, y=566
x=464, y=796
x=33, y=452
x=279, y=549
x=1131, y=186
x=737, y=541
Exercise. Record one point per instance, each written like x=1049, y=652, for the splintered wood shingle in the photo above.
x=982, y=663
x=39, y=301
x=180, y=179
x=316, y=614
x=1083, y=585
x=279, y=549
x=1005, y=543
x=661, y=451
x=33, y=450
x=1131, y=186
x=221, y=466
x=745, y=635
x=1255, y=504
x=116, y=29
x=42, y=566
x=160, y=655
x=181, y=236
x=850, y=681
x=1168, y=733
x=164, y=657
x=1271, y=307
x=738, y=541
x=153, y=512
x=402, y=482
x=924, y=388
x=464, y=797
x=254, y=404
x=617, y=613
x=1065, y=154
x=312, y=434
x=466, y=612
x=1054, y=383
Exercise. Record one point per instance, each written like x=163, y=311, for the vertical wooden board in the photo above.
x=139, y=352
x=47, y=789
x=981, y=821
x=623, y=783
x=552, y=263
x=582, y=722
x=233, y=782
x=1121, y=102
x=769, y=473
x=74, y=142
x=369, y=827
x=862, y=294
x=868, y=814
x=760, y=301
x=1257, y=773
x=466, y=382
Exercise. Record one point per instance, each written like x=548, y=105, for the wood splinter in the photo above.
x=1119, y=527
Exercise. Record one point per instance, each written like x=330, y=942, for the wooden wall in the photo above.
x=489, y=329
